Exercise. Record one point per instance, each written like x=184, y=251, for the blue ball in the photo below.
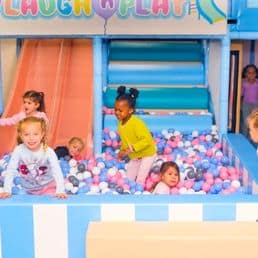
x=225, y=161
x=218, y=186
x=197, y=186
x=81, y=167
x=226, y=185
x=74, y=180
x=15, y=190
x=17, y=180
x=84, y=189
x=139, y=187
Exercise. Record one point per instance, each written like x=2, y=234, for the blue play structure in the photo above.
x=185, y=76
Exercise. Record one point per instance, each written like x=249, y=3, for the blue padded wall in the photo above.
x=149, y=73
x=161, y=51
x=165, y=98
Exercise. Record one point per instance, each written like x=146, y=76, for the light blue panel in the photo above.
x=219, y=212
x=78, y=221
x=1, y=87
x=178, y=122
x=151, y=212
x=162, y=51
x=16, y=223
x=146, y=73
x=165, y=98
x=246, y=153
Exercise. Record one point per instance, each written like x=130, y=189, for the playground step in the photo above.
x=170, y=239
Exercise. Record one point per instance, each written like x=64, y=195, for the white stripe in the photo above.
x=50, y=231
x=117, y=212
x=185, y=212
x=246, y=212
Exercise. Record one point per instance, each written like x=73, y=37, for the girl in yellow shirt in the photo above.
x=136, y=139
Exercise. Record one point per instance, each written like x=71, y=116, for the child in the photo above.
x=252, y=122
x=73, y=150
x=35, y=162
x=136, y=140
x=249, y=94
x=33, y=105
x=170, y=177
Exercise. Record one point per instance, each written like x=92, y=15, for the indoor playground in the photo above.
x=186, y=59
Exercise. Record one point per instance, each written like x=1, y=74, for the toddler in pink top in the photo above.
x=33, y=105
x=169, y=177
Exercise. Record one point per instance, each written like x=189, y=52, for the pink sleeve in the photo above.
x=161, y=188
x=42, y=115
x=12, y=120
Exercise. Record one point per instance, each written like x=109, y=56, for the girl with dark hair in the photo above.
x=33, y=105
x=249, y=94
x=136, y=139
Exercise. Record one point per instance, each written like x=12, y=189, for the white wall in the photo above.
x=8, y=65
x=214, y=75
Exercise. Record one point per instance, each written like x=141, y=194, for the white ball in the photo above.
x=138, y=193
x=94, y=189
x=208, y=138
x=87, y=174
x=164, y=132
x=101, y=165
x=182, y=190
x=105, y=190
x=79, y=176
x=195, y=133
x=72, y=163
x=82, y=184
x=177, y=133
x=190, y=191
x=235, y=183
x=1, y=189
x=73, y=170
x=103, y=185
x=75, y=190
x=187, y=144
x=96, y=171
x=68, y=186
x=180, y=144
x=112, y=135
x=111, y=171
x=146, y=192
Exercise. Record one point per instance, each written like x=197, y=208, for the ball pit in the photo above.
x=203, y=167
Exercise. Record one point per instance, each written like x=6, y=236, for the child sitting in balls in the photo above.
x=136, y=139
x=252, y=122
x=72, y=150
x=169, y=177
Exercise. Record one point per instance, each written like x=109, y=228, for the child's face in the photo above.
x=122, y=110
x=251, y=74
x=32, y=135
x=253, y=132
x=30, y=106
x=170, y=177
x=74, y=148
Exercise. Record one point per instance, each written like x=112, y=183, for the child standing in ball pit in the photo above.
x=33, y=105
x=249, y=94
x=169, y=177
x=136, y=139
x=72, y=150
x=252, y=122
x=35, y=162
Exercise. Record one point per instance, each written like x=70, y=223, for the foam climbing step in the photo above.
x=172, y=239
x=155, y=73
x=155, y=123
x=165, y=98
x=150, y=50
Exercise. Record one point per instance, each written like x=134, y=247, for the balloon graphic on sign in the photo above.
x=105, y=8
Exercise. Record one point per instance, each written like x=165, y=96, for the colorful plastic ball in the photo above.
x=72, y=163
x=67, y=157
x=73, y=180
x=81, y=167
x=199, y=174
x=225, y=161
x=190, y=173
x=111, y=185
x=119, y=189
x=68, y=186
x=139, y=187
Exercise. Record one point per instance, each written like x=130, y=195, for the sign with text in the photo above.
x=113, y=17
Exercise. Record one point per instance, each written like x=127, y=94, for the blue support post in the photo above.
x=104, y=63
x=224, y=84
x=97, y=62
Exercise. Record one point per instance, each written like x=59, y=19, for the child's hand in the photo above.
x=61, y=195
x=5, y=195
x=122, y=153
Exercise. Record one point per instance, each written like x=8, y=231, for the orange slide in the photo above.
x=63, y=70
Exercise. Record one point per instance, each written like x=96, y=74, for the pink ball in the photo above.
x=90, y=166
x=208, y=175
x=210, y=181
x=167, y=150
x=155, y=177
x=108, y=142
x=195, y=142
x=96, y=179
x=209, y=153
x=234, y=177
x=106, y=131
x=206, y=187
x=202, y=138
x=115, y=144
x=232, y=171
x=188, y=184
x=225, y=191
x=126, y=187
x=232, y=189
x=157, y=140
x=218, y=146
x=174, y=190
x=218, y=180
x=223, y=175
x=173, y=144
x=148, y=185
x=120, y=182
x=180, y=184
x=189, y=160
